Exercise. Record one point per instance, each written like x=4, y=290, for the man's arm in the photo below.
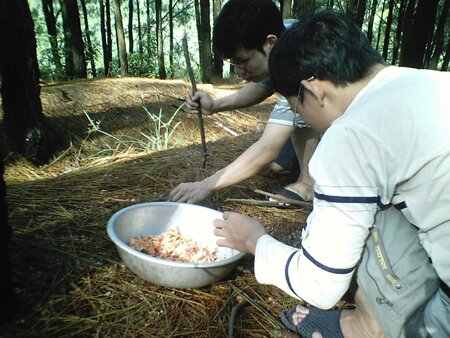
x=252, y=93
x=252, y=161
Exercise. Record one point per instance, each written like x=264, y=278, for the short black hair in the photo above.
x=246, y=24
x=324, y=44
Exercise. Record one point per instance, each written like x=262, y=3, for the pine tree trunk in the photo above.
x=138, y=11
x=121, y=39
x=446, y=61
x=398, y=32
x=159, y=37
x=287, y=9
x=302, y=6
x=91, y=53
x=130, y=26
x=75, y=59
x=205, y=50
x=24, y=122
x=387, y=31
x=171, y=39
x=414, y=44
x=373, y=11
x=218, y=59
x=381, y=24
x=108, y=33
x=103, y=36
x=440, y=36
x=50, y=22
x=356, y=10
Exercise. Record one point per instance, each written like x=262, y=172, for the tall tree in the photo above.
x=446, y=61
x=108, y=32
x=387, y=31
x=373, y=11
x=50, y=21
x=301, y=6
x=440, y=36
x=74, y=47
x=159, y=38
x=171, y=39
x=204, y=39
x=286, y=9
x=415, y=39
x=91, y=54
x=218, y=59
x=398, y=31
x=24, y=122
x=138, y=14
x=122, y=47
x=380, y=25
x=130, y=26
x=356, y=10
x=105, y=47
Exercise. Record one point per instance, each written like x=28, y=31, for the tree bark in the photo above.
x=75, y=59
x=159, y=37
x=121, y=39
x=287, y=9
x=301, y=6
x=130, y=26
x=24, y=122
x=387, y=31
x=91, y=53
x=373, y=11
x=440, y=36
x=381, y=24
x=138, y=11
x=356, y=10
x=414, y=43
x=398, y=32
x=109, y=33
x=218, y=59
x=204, y=40
x=103, y=36
x=171, y=39
x=446, y=61
x=50, y=22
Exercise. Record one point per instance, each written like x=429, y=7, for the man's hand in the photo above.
x=206, y=102
x=191, y=192
x=238, y=231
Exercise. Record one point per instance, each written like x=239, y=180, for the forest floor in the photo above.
x=122, y=147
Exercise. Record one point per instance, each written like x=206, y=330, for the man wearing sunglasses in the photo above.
x=244, y=33
x=381, y=216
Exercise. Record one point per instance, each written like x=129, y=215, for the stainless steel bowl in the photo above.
x=151, y=219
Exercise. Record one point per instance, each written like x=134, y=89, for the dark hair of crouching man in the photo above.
x=245, y=24
x=327, y=46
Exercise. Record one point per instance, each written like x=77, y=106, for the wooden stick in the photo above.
x=194, y=90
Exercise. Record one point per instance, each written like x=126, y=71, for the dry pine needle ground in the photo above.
x=69, y=279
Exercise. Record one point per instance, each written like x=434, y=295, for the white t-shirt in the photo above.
x=391, y=146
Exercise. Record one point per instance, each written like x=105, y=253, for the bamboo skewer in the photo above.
x=194, y=90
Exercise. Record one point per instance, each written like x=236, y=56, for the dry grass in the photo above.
x=69, y=278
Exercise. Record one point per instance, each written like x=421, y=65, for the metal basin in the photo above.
x=151, y=219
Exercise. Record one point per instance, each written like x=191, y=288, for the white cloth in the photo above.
x=391, y=146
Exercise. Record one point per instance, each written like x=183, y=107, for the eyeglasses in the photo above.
x=240, y=62
x=300, y=97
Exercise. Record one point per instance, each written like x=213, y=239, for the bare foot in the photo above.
x=300, y=313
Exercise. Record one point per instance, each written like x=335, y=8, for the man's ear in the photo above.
x=271, y=39
x=315, y=88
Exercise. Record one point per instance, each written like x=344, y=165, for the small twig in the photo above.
x=194, y=90
x=262, y=203
x=258, y=306
x=224, y=127
x=283, y=199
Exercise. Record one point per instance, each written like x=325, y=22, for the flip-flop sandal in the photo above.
x=282, y=191
x=326, y=322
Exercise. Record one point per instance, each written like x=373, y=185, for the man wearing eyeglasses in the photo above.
x=382, y=214
x=244, y=33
